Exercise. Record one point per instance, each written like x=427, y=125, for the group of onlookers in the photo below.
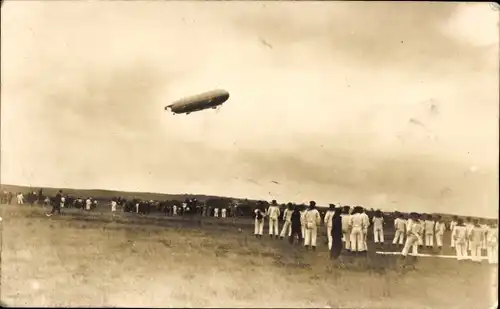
x=346, y=227
x=347, y=230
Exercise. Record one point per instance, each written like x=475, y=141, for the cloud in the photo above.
x=327, y=111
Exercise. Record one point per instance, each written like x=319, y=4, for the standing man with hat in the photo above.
x=346, y=227
x=313, y=221
x=287, y=217
x=259, y=215
x=492, y=243
x=460, y=233
x=56, y=206
x=415, y=231
x=336, y=234
x=303, y=211
x=273, y=212
x=296, y=225
x=328, y=223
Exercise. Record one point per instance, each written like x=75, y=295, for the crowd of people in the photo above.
x=347, y=230
x=346, y=227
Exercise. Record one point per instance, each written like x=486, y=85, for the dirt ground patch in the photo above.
x=63, y=262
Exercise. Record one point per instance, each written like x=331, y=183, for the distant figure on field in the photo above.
x=273, y=212
x=224, y=212
x=336, y=234
x=56, y=206
x=20, y=198
x=88, y=204
x=216, y=212
x=40, y=197
x=113, y=206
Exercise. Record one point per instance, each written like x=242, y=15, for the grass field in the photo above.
x=88, y=261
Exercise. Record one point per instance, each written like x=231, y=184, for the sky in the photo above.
x=385, y=105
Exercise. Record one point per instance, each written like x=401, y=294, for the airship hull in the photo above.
x=199, y=102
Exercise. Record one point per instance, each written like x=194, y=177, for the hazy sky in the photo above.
x=391, y=105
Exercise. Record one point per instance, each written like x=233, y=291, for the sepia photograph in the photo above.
x=249, y=154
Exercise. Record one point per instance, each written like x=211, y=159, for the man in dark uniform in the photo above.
x=56, y=204
x=40, y=197
x=296, y=225
x=336, y=233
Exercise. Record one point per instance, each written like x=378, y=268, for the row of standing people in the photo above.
x=409, y=232
x=470, y=239
x=304, y=224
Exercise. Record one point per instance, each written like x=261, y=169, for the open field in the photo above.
x=86, y=261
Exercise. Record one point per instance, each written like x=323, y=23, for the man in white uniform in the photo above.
x=400, y=230
x=216, y=212
x=20, y=198
x=475, y=236
x=492, y=244
x=356, y=224
x=366, y=225
x=469, y=226
x=287, y=217
x=485, y=227
x=328, y=224
x=414, y=219
x=113, y=206
x=453, y=223
x=88, y=204
x=429, y=226
x=346, y=227
x=440, y=227
x=378, y=227
x=224, y=212
x=460, y=238
x=259, y=222
x=273, y=212
x=313, y=221
x=415, y=230
x=422, y=236
x=303, y=211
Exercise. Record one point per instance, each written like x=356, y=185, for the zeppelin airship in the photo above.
x=206, y=100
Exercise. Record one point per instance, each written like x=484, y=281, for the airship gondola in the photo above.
x=206, y=100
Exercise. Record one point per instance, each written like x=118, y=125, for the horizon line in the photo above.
x=220, y=196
